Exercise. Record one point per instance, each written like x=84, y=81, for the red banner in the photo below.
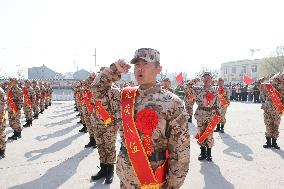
x=11, y=102
x=275, y=97
x=26, y=97
x=134, y=146
x=209, y=129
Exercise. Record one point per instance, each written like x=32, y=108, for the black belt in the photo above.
x=156, y=156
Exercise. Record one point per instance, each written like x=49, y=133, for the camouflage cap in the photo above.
x=206, y=73
x=146, y=54
x=277, y=78
x=220, y=79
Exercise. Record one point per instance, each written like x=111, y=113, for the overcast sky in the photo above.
x=63, y=34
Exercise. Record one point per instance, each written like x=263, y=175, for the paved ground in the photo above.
x=51, y=155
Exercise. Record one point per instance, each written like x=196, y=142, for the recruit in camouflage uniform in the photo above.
x=42, y=97
x=3, y=101
x=189, y=102
x=81, y=107
x=224, y=98
x=272, y=114
x=105, y=134
x=87, y=113
x=36, y=102
x=15, y=103
x=47, y=97
x=49, y=92
x=208, y=104
x=170, y=135
x=29, y=100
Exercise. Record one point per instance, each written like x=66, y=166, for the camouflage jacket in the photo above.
x=3, y=101
x=171, y=133
x=31, y=95
x=17, y=97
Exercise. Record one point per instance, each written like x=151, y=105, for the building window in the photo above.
x=234, y=70
x=254, y=68
x=244, y=69
x=225, y=71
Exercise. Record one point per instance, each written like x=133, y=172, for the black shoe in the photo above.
x=36, y=116
x=209, y=157
x=76, y=110
x=91, y=143
x=202, y=155
x=79, y=122
x=2, y=154
x=15, y=136
x=109, y=173
x=268, y=143
x=78, y=115
x=190, y=119
x=29, y=123
x=101, y=173
x=49, y=104
x=274, y=144
x=218, y=128
x=83, y=130
x=222, y=128
x=41, y=111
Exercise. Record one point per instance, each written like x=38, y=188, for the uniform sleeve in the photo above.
x=3, y=101
x=228, y=95
x=20, y=96
x=103, y=82
x=179, y=147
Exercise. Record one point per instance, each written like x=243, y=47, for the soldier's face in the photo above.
x=145, y=72
x=221, y=83
x=281, y=86
x=207, y=80
x=166, y=84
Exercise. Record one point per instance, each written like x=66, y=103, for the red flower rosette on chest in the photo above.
x=209, y=97
x=146, y=121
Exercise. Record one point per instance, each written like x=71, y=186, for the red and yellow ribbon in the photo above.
x=88, y=96
x=190, y=97
x=103, y=113
x=11, y=102
x=222, y=99
x=209, y=129
x=135, y=150
x=275, y=97
x=26, y=97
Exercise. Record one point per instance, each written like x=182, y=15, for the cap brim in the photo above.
x=134, y=60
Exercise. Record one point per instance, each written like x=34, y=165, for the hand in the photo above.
x=122, y=66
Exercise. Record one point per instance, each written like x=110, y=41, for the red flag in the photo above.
x=247, y=80
x=179, y=78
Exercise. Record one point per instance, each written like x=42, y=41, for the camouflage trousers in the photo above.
x=89, y=122
x=42, y=104
x=36, y=108
x=46, y=102
x=28, y=112
x=189, y=108
x=82, y=114
x=2, y=135
x=223, y=114
x=272, y=118
x=14, y=120
x=106, y=138
x=203, y=118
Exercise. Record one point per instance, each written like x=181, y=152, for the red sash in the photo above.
x=135, y=150
x=26, y=97
x=275, y=97
x=88, y=96
x=190, y=97
x=103, y=113
x=209, y=129
x=222, y=99
x=11, y=102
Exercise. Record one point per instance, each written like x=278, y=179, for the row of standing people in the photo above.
x=34, y=97
x=153, y=122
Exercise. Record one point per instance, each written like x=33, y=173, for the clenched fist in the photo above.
x=122, y=66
